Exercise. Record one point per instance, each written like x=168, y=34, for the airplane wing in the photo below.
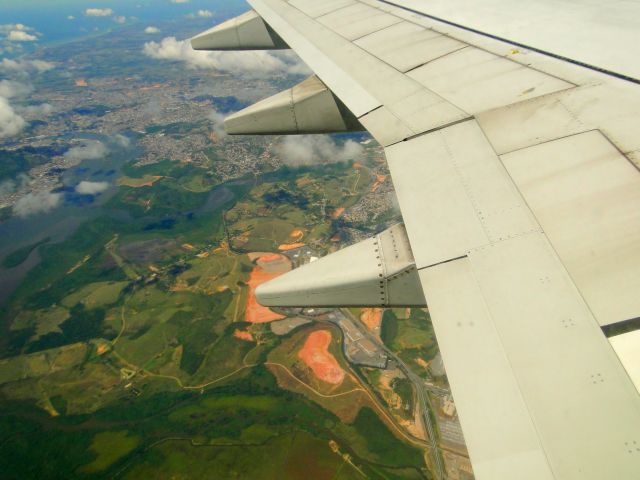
x=512, y=134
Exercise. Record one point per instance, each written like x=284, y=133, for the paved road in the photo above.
x=425, y=405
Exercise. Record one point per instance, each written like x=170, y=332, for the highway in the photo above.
x=418, y=383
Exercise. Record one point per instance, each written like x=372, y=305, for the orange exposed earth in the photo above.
x=337, y=212
x=155, y=86
x=81, y=82
x=243, y=335
x=371, y=317
x=268, y=266
x=285, y=247
x=422, y=363
x=301, y=182
x=146, y=181
x=315, y=354
x=357, y=165
x=379, y=181
x=297, y=234
x=294, y=241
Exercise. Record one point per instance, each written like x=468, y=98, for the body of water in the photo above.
x=62, y=221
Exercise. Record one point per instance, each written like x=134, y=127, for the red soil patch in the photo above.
x=269, y=257
x=357, y=165
x=371, y=317
x=256, y=255
x=422, y=363
x=289, y=246
x=301, y=182
x=315, y=355
x=155, y=86
x=297, y=234
x=268, y=267
x=243, y=335
x=337, y=212
x=379, y=181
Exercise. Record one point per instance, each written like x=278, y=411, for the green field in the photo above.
x=109, y=447
x=250, y=427
x=120, y=346
x=296, y=199
x=411, y=338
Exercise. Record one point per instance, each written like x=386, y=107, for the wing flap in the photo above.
x=498, y=429
x=512, y=327
x=583, y=404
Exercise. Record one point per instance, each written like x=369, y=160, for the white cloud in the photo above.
x=295, y=66
x=20, y=36
x=217, y=123
x=205, y=13
x=314, y=149
x=180, y=1
x=152, y=30
x=40, y=202
x=88, y=150
x=11, y=89
x=152, y=108
x=71, y=17
x=7, y=186
x=122, y=140
x=11, y=186
x=41, y=65
x=8, y=27
x=25, y=66
x=41, y=110
x=120, y=19
x=10, y=122
x=257, y=62
x=98, y=12
x=91, y=188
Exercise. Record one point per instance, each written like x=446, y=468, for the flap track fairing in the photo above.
x=379, y=271
x=246, y=32
x=309, y=107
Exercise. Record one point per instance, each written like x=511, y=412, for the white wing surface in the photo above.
x=512, y=133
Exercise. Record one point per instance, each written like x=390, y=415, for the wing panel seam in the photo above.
x=532, y=418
